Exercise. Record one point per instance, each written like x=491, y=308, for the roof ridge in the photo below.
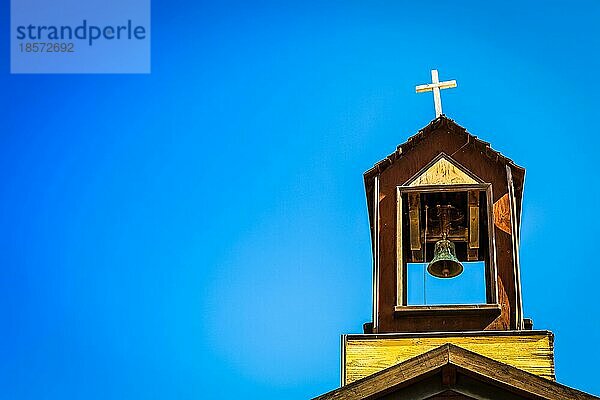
x=434, y=124
x=475, y=365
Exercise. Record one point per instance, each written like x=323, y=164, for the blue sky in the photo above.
x=201, y=232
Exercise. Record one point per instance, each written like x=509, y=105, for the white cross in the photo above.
x=435, y=86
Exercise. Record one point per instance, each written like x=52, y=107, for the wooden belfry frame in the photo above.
x=444, y=154
x=469, y=183
x=490, y=267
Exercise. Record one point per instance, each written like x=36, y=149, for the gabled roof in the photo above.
x=452, y=368
x=440, y=122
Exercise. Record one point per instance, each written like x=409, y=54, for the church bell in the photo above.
x=444, y=263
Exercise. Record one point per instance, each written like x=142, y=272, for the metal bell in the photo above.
x=444, y=263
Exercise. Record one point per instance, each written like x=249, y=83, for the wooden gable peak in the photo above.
x=452, y=368
x=440, y=122
x=443, y=170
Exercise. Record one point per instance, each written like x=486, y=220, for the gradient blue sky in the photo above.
x=201, y=232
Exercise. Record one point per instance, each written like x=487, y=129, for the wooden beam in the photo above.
x=473, y=247
x=531, y=351
x=448, y=375
x=515, y=250
x=399, y=256
x=430, y=86
x=481, y=369
x=511, y=378
x=397, y=376
x=376, y=256
x=414, y=216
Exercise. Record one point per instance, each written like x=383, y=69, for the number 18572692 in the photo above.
x=46, y=47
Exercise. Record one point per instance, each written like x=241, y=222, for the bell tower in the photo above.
x=445, y=217
x=445, y=205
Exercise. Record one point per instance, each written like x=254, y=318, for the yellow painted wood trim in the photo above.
x=443, y=172
x=531, y=353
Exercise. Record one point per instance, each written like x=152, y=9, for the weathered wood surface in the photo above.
x=442, y=172
x=475, y=376
x=390, y=378
x=441, y=136
x=440, y=322
x=435, y=87
x=519, y=380
x=518, y=299
x=531, y=351
x=502, y=214
x=448, y=310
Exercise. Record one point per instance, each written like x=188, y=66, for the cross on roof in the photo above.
x=435, y=87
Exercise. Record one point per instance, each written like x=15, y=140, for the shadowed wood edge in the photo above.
x=469, y=363
x=393, y=377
